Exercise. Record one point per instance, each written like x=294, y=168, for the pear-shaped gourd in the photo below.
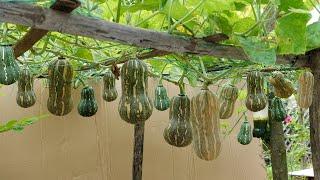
x=9, y=69
x=179, y=133
x=305, y=89
x=88, y=105
x=283, y=88
x=277, y=111
x=205, y=123
x=109, y=90
x=25, y=96
x=245, y=133
x=228, y=96
x=161, y=99
x=135, y=105
x=256, y=99
x=259, y=128
x=60, y=73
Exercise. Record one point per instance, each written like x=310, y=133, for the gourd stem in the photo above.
x=204, y=71
x=82, y=82
x=161, y=75
x=181, y=83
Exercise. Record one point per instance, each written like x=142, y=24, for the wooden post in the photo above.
x=138, y=151
x=277, y=146
x=315, y=114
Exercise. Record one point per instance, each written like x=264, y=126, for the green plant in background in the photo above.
x=19, y=125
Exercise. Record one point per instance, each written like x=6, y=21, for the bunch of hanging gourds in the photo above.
x=194, y=121
x=257, y=101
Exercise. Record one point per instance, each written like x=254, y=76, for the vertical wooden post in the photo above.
x=277, y=146
x=315, y=114
x=138, y=151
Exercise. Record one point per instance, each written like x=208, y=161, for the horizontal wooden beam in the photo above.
x=50, y=20
x=34, y=34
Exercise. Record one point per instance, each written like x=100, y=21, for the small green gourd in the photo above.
x=259, y=128
x=9, y=69
x=228, y=96
x=135, y=105
x=256, y=99
x=245, y=133
x=60, y=74
x=161, y=99
x=26, y=96
x=88, y=105
x=277, y=111
x=110, y=92
x=179, y=133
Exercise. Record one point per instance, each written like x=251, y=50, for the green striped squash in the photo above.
x=205, y=125
x=60, y=73
x=256, y=99
x=161, y=99
x=179, y=133
x=228, y=96
x=88, y=105
x=260, y=128
x=305, y=89
x=9, y=69
x=135, y=105
x=245, y=133
x=25, y=95
x=277, y=111
x=109, y=90
x=283, y=88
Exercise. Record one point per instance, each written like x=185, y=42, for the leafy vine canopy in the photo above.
x=263, y=28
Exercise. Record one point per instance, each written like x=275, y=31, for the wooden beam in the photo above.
x=50, y=20
x=34, y=34
x=47, y=19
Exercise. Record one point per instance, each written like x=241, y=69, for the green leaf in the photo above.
x=243, y=25
x=218, y=5
x=258, y=51
x=313, y=36
x=192, y=78
x=84, y=53
x=291, y=33
x=285, y=5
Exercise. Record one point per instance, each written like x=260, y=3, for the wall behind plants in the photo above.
x=100, y=148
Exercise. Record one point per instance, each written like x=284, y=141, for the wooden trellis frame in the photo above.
x=43, y=20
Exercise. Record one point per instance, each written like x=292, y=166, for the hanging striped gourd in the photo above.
x=283, y=88
x=205, y=123
x=9, y=69
x=179, y=133
x=88, y=105
x=245, y=133
x=109, y=90
x=135, y=105
x=305, y=89
x=60, y=73
x=256, y=99
x=277, y=111
x=228, y=96
x=25, y=95
x=161, y=99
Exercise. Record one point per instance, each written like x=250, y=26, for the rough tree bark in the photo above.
x=138, y=151
x=277, y=146
x=315, y=114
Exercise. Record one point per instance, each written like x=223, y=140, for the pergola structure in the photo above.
x=58, y=18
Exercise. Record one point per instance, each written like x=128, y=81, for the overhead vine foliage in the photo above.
x=263, y=28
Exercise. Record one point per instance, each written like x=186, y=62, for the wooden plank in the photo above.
x=34, y=34
x=47, y=19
